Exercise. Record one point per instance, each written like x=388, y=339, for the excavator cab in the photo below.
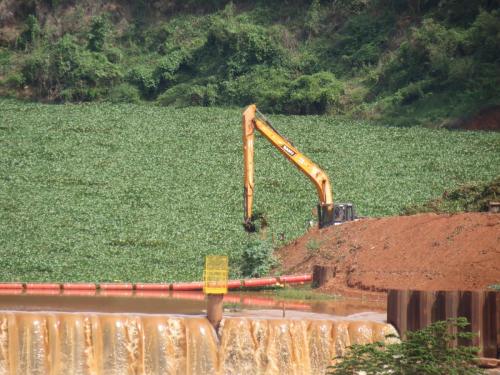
x=328, y=212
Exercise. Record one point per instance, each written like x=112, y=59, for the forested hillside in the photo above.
x=430, y=62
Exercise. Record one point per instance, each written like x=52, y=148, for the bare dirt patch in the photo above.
x=426, y=252
x=486, y=119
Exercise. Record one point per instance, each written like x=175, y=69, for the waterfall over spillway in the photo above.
x=121, y=344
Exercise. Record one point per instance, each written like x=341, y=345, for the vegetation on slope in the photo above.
x=105, y=192
x=468, y=197
x=408, y=61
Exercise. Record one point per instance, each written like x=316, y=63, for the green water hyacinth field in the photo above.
x=105, y=192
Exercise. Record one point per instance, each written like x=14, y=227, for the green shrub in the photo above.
x=411, y=93
x=210, y=94
x=65, y=58
x=99, y=29
x=313, y=18
x=307, y=62
x=168, y=66
x=67, y=67
x=426, y=54
x=350, y=7
x=5, y=57
x=35, y=70
x=144, y=77
x=362, y=40
x=124, y=93
x=15, y=80
x=81, y=93
x=314, y=94
x=267, y=87
x=461, y=12
x=187, y=94
x=184, y=32
x=313, y=246
x=428, y=351
x=483, y=39
x=274, y=91
x=31, y=35
x=257, y=258
x=233, y=48
x=114, y=55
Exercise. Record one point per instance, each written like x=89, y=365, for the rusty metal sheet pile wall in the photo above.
x=410, y=310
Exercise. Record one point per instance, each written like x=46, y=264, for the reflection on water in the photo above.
x=173, y=302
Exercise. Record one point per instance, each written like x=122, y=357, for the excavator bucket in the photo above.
x=257, y=222
x=249, y=226
x=329, y=214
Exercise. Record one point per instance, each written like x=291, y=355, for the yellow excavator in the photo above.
x=328, y=213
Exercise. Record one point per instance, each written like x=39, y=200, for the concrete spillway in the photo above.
x=40, y=343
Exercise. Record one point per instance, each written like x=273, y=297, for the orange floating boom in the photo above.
x=126, y=288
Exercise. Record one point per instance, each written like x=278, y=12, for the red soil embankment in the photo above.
x=426, y=252
x=486, y=119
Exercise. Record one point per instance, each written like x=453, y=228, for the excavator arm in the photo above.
x=253, y=120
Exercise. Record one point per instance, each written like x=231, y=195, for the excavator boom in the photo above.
x=252, y=120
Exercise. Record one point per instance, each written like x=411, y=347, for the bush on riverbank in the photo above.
x=427, y=351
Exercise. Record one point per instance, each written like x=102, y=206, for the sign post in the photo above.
x=215, y=286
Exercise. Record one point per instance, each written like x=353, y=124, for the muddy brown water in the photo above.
x=189, y=303
x=53, y=333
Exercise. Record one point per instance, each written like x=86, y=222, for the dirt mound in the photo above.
x=486, y=119
x=426, y=251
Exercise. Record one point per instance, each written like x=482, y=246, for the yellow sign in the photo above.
x=215, y=275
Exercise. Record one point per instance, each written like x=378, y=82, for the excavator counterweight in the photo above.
x=328, y=213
